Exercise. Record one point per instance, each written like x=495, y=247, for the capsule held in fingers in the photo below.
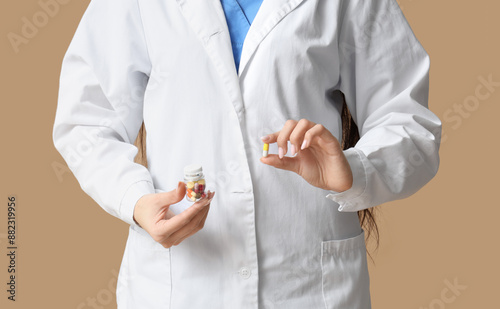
x=265, y=150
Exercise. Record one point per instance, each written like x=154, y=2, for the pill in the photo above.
x=265, y=151
x=193, y=198
x=190, y=185
x=196, y=187
x=201, y=181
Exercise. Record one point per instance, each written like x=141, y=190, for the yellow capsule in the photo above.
x=190, y=185
x=265, y=151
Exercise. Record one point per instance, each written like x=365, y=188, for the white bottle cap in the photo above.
x=193, y=172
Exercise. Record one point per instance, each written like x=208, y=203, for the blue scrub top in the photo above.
x=239, y=16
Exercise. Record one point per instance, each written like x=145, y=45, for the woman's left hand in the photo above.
x=319, y=158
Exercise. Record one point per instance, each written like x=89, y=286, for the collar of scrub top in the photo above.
x=239, y=16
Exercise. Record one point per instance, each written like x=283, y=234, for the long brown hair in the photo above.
x=350, y=136
x=140, y=143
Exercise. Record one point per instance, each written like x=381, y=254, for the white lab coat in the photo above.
x=270, y=240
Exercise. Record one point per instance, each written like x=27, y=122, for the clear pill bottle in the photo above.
x=195, y=182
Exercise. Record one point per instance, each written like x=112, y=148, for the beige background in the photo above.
x=70, y=249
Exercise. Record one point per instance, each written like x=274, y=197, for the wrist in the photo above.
x=136, y=214
x=343, y=178
x=136, y=222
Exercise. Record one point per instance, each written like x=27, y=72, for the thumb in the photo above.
x=174, y=196
x=287, y=163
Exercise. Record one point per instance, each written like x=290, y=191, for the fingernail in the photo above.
x=280, y=152
x=209, y=201
x=292, y=150
x=265, y=138
x=303, y=144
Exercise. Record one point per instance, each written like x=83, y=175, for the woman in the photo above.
x=284, y=230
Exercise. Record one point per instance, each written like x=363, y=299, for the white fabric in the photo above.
x=271, y=240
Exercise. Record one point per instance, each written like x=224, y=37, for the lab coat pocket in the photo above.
x=345, y=278
x=144, y=280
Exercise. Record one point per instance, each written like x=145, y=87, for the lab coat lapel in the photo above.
x=207, y=19
x=268, y=16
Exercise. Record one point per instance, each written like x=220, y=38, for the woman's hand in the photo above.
x=152, y=213
x=319, y=160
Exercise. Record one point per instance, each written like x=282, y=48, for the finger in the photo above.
x=200, y=223
x=287, y=163
x=297, y=137
x=158, y=204
x=282, y=136
x=317, y=134
x=190, y=228
x=174, y=196
x=201, y=203
x=270, y=138
x=168, y=227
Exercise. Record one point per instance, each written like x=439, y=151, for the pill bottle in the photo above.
x=195, y=182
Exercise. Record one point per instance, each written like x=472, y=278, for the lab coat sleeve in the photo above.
x=99, y=112
x=384, y=75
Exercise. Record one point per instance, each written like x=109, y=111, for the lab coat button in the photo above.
x=245, y=272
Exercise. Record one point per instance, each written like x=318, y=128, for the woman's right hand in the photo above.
x=152, y=213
